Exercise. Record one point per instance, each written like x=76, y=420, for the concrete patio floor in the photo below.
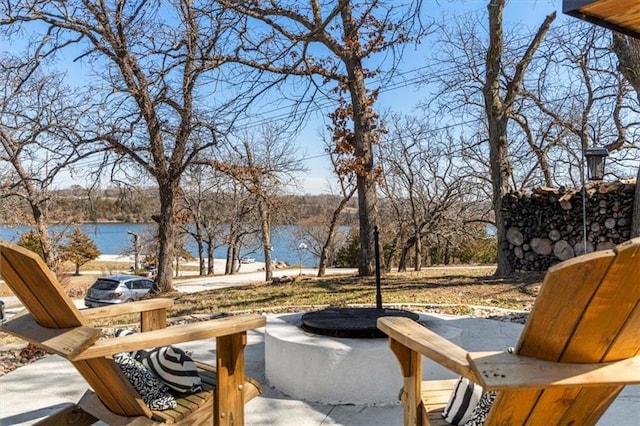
x=30, y=393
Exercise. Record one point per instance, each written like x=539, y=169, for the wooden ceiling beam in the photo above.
x=618, y=15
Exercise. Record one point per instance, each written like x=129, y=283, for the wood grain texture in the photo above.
x=230, y=385
x=424, y=341
x=53, y=322
x=66, y=342
x=579, y=346
x=504, y=371
x=173, y=335
x=139, y=306
x=29, y=278
x=625, y=13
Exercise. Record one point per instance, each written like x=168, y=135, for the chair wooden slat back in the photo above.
x=36, y=286
x=55, y=323
x=40, y=292
x=588, y=311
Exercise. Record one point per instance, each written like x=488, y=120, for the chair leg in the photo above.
x=229, y=404
x=411, y=368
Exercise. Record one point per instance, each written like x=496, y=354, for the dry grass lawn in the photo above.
x=445, y=286
x=451, y=289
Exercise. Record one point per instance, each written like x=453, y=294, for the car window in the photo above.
x=104, y=285
x=142, y=285
x=130, y=285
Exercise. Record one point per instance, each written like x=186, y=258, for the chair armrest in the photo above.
x=153, y=312
x=127, y=308
x=501, y=371
x=176, y=334
x=66, y=342
x=418, y=338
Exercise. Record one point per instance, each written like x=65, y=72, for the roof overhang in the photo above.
x=619, y=15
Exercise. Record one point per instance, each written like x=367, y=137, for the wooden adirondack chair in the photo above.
x=579, y=348
x=54, y=323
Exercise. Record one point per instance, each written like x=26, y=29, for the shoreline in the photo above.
x=218, y=264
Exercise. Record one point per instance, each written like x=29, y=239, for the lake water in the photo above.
x=113, y=238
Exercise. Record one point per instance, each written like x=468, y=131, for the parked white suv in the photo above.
x=117, y=289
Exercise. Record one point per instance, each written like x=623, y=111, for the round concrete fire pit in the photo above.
x=334, y=370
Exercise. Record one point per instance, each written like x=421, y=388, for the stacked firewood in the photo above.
x=547, y=225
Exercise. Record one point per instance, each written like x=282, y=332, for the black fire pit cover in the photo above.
x=355, y=323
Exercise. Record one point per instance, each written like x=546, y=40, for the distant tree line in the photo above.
x=76, y=204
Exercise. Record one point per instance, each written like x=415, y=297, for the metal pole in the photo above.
x=136, y=250
x=377, y=255
x=301, y=247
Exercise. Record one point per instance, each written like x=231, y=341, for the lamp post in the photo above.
x=596, y=158
x=376, y=239
x=136, y=250
x=301, y=247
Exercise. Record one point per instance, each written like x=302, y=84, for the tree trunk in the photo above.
x=500, y=184
x=418, y=252
x=367, y=200
x=390, y=252
x=201, y=264
x=333, y=226
x=497, y=126
x=265, y=229
x=231, y=254
x=498, y=111
x=45, y=239
x=363, y=141
x=210, y=257
x=427, y=251
x=322, y=262
x=627, y=49
x=402, y=262
x=404, y=254
x=447, y=253
x=166, y=236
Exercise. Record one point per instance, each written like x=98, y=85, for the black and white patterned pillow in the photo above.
x=482, y=409
x=173, y=367
x=153, y=392
x=462, y=401
x=119, y=332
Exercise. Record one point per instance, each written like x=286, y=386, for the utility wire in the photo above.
x=417, y=75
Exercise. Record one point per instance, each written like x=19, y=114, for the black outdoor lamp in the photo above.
x=596, y=158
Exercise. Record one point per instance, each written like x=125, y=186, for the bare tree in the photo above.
x=627, y=49
x=237, y=214
x=38, y=140
x=425, y=187
x=498, y=109
x=264, y=164
x=330, y=43
x=196, y=194
x=483, y=94
x=583, y=100
x=156, y=80
x=320, y=232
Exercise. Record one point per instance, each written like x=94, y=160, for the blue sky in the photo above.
x=395, y=96
x=526, y=13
